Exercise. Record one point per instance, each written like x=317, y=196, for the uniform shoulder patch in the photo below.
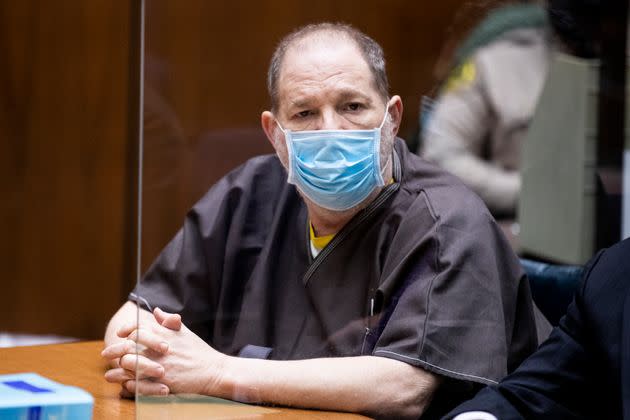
x=462, y=76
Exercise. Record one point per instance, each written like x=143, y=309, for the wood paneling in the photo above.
x=64, y=162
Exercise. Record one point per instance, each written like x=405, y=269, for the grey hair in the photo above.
x=370, y=50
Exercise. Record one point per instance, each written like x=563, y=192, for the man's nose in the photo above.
x=330, y=120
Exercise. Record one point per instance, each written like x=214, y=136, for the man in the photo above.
x=583, y=369
x=368, y=282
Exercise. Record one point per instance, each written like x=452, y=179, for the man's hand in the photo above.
x=170, y=358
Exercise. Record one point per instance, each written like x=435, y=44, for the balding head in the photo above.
x=371, y=52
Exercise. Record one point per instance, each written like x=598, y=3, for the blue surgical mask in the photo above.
x=336, y=169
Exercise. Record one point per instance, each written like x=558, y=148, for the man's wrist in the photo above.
x=234, y=380
x=219, y=380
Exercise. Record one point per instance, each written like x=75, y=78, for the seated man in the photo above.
x=583, y=370
x=345, y=273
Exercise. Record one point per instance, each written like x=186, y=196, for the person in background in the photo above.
x=477, y=125
x=342, y=273
x=479, y=120
x=582, y=371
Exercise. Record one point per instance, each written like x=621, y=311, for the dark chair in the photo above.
x=552, y=286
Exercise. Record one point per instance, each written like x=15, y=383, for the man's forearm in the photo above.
x=368, y=384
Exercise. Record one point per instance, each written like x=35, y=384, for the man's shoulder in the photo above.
x=260, y=178
x=447, y=196
x=263, y=165
x=617, y=256
x=255, y=172
x=608, y=272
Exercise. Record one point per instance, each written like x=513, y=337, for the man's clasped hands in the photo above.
x=162, y=356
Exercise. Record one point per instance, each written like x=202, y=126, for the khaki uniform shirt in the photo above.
x=481, y=119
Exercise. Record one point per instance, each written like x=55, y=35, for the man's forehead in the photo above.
x=322, y=39
x=323, y=61
x=322, y=49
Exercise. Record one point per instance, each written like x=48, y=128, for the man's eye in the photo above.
x=303, y=114
x=354, y=106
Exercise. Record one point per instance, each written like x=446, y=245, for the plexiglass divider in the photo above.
x=204, y=67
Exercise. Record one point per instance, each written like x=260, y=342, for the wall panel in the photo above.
x=64, y=125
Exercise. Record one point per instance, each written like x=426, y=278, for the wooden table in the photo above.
x=80, y=364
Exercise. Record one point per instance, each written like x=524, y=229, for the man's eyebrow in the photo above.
x=354, y=94
x=300, y=103
x=344, y=95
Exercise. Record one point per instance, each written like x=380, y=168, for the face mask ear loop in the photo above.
x=385, y=167
x=287, y=142
x=380, y=135
x=280, y=127
x=380, y=127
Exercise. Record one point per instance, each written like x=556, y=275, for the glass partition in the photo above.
x=241, y=274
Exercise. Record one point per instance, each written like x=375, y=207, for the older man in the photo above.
x=369, y=282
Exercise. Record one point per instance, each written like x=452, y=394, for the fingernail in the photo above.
x=163, y=347
x=164, y=391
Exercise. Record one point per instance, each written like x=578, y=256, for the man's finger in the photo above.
x=119, y=349
x=119, y=375
x=143, y=366
x=126, y=394
x=149, y=339
x=145, y=387
x=168, y=320
x=125, y=330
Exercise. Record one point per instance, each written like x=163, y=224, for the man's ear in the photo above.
x=395, y=108
x=269, y=126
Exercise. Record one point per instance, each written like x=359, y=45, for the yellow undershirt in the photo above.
x=319, y=242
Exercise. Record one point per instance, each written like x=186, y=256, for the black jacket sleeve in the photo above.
x=567, y=377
